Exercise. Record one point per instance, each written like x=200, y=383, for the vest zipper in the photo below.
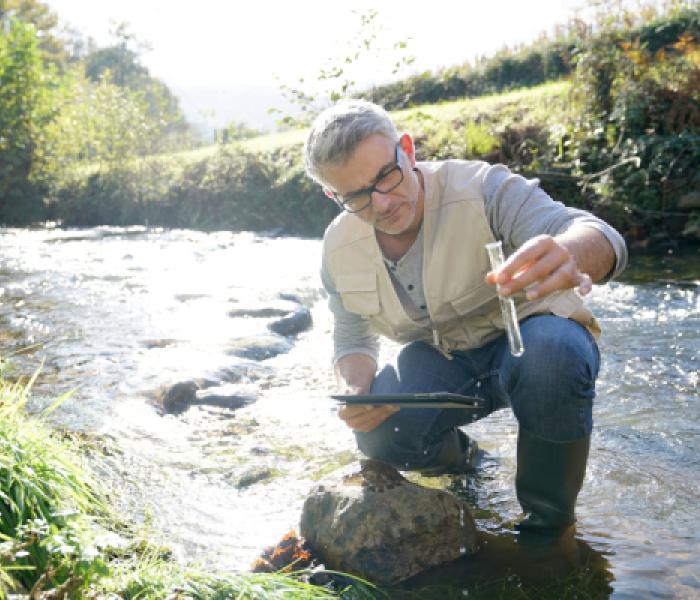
x=438, y=343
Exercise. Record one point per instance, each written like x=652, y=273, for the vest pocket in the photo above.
x=358, y=292
x=477, y=301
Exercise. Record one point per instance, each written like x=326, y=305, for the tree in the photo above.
x=122, y=60
x=26, y=87
x=45, y=22
x=338, y=78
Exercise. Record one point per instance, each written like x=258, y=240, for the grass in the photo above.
x=535, y=102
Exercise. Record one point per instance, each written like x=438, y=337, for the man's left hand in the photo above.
x=543, y=265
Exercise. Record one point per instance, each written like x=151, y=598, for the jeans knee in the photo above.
x=552, y=385
x=562, y=362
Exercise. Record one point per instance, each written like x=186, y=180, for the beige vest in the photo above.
x=464, y=309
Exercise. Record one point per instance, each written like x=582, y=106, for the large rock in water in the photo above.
x=380, y=526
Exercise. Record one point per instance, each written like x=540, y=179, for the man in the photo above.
x=406, y=260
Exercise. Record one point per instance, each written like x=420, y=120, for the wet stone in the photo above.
x=376, y=524
x=178, y=398
x=226, y=396
x=252, y=476
x=293, y=323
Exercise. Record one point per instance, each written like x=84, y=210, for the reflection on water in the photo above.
x=115, y=314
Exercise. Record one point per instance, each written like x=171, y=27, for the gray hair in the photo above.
x=339, y=129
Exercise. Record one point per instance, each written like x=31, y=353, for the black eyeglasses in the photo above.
x=384, y=183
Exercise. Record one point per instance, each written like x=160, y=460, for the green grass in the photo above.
x=536, y=102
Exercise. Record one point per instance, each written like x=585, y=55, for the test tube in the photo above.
x=510, y=317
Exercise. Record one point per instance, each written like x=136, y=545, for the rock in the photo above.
x=158, y=343
x=252, y=476
x=266, y=311
x=293, y=323
x=259, y=348
x=178, y=398
x=379, y=526
x=226, y=396
x=277, y=308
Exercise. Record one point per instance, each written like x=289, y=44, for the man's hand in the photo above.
x=355, y=373
x=363, y=417
x=546, y=264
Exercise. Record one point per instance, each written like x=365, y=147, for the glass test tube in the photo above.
x=510, y=317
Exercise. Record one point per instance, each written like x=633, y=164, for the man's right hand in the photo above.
x=364, y=417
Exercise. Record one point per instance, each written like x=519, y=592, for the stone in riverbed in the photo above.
x=252, y=476
x=378, y=525
x=178, y=398
x=293, y=323
x=226, y=396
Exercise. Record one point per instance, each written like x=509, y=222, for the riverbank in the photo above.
x=260, y=184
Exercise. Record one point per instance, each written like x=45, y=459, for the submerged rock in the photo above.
x=293, y=323
x=258, y=312
x=252, y=476
x=178, y=398
x=376, y=524
x=226, y=396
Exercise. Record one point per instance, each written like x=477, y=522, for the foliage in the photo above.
x=508, y=70
x=228, y=189
x=44, y=20
x=636, y=140
x=25, y=109
x=120, y=63
x=100, y=123
x=236, y=131
x=43, y=493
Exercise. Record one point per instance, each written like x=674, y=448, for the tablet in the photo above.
x=418, y=400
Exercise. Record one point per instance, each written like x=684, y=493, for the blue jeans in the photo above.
x=550, y=389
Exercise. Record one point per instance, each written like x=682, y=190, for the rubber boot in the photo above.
x=458, y=455
x=548, y=479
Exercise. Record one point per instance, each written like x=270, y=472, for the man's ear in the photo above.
x=406, y=142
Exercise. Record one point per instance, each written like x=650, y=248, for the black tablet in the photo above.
x=418, y=400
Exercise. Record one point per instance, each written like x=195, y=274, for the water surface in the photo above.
x=116, y=314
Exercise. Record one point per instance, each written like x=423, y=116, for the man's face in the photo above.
x=394, y=212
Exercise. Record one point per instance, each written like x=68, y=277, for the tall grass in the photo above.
x=45, y=500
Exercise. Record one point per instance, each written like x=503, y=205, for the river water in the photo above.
x=116, y=314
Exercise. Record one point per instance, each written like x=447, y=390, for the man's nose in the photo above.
x=380, y=201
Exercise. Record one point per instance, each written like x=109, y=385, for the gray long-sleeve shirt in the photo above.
x=517, y=209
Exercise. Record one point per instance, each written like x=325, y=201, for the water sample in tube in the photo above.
x=510, y=317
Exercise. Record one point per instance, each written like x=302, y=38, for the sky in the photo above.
x=212, y=51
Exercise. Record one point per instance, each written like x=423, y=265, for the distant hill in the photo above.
x=215, y=106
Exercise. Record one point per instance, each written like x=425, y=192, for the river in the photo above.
x=116, y=314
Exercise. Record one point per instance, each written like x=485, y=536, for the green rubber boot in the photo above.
x=548, y=479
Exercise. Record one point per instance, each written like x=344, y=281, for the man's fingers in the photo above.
x=565, y=277
x=539, y=271
x=528, y=253
x=365, y=417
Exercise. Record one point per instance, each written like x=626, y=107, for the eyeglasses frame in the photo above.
x=372, y=188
